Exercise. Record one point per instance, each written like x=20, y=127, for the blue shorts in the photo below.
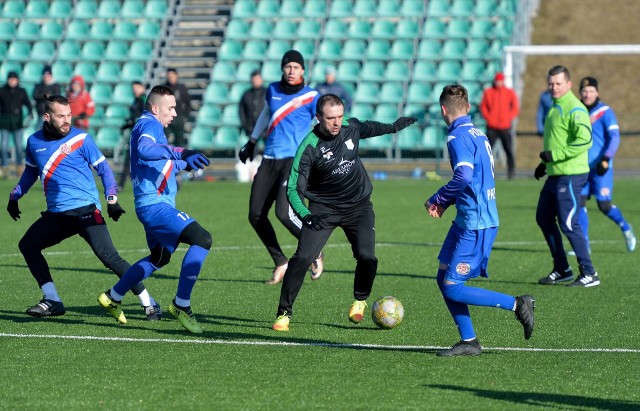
x=466, y=252
x=163, y=225
x=599, y=186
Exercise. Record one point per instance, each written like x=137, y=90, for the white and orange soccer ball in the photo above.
x=387, y=312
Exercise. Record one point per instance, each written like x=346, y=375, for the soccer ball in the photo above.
x=387, y=312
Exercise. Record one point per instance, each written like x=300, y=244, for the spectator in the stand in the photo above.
x=252, y=103
x=183, y=108
x=136, y=108
x=543, y=108
x=82, y=105
x=48, y=86
x=331, y=86
x=12, y=122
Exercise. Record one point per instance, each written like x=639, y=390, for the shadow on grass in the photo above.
x=544, y=399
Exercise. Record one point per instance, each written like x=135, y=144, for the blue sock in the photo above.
x=478, y=296
x=616, y=215
x=136, y=273
x=191, y=265
x=583, y=219
x=459, y=312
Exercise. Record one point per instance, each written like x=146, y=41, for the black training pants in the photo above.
x=358, y=224
x=505, y=137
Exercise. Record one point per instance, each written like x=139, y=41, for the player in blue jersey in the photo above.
x=606, y=139
x=62, y=157
x=465, y=252
x=287, y=116
x=154, y=164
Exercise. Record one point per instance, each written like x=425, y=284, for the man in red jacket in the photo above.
x=499, y=107
x=81, y=103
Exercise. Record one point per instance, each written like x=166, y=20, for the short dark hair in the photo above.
x=455, y=97
x=172, y=70
x=555, y=70
x=255, y=72
x=136, y=83
x=328, y=100
x=156, y=92
x=49, y=100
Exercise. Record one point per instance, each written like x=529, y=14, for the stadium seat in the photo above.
x=85, y=9
x=342, y=8
x=133, y=71
x=216, y=93
x=485, y=8
x=32, y=72
x=109, y=9
x=462, y=8
x=101, y=93
x=122, y=93
x=36, y=9
x=424, y=70
x=397, y=71
x=226, y=137
x=141, y=50
x=453, y=49
x=69, y=50
x=230, y=115
x=254, y=50
x=435, y=96
x=388, y=8
x=237, y=90
x=223, y=71
x=116, y=114
x=108, y=138
x=305, y=46
x=28, y=30
x=407, y=29
x=155, y=9
x=3, y=50
x=117, y=50
x=237, y=29
x=308, y=29
x=367, y=92
x=277, y=48
x=78, y=30
x=267, y=9
x=381, y=143
x=412, y=8
x=271, y=71
x=43, y=50
x=291, y=8
x=481, y=28
x=230, y=50
x=429, y=50
x=449, y=70
x=149, y=30
x=7, y=66
x=108, y=72
x=13, y=9
x=477, y=49
x=101, y=30
x=386, y=113
x=7, y=30
x=318, y=70
x=503, y=29
x=132, y=9
x=419, y=93
x=349, y=71
x=362, y=111
x=329, y=49
x=475, y=91
x=506, y=8
x=243, y=9
x=365, y=8
x=314, y=8
x=336, y=29
x=261, y=29
x=244, y=69
x=372, y=70
x=383, y=29
x=284, y=29
x=378, y=50
x=19, y=51
x=85, y=69
x=434, y=138
x=51, y=30
x=209, y=115
x=415, y=110
x=201, y=138
x=60, y=9
x=391, y=92
x=93, y=50
x=409, y=139
x=458, y=28
x=434, y=29
x=402, y=50
x=359, y=29
x=438, y=8
x=353, y=49
x=61, y=71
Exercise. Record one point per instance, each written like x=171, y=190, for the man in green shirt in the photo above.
x=567, y=139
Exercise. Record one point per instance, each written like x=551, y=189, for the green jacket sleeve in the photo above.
x=299, y=177
x=580, y=139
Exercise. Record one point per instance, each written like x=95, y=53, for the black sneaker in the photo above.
x=462, y=348
x=524, y=313
x=153, y=312
x=586, y=280
x=556, y=277
x=46, y=308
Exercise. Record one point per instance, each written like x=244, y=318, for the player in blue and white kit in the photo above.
x=606, y=139
x=154, y=164
x=465, y=252
x=287, y=116
x=63, y=158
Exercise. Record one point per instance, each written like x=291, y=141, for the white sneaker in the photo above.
x=631, y=239
x=317, y=266
x=278, y=274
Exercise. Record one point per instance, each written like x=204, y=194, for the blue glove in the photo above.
x=195, y=159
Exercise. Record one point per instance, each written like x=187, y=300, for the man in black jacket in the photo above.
x=48, y=86
x=12, y=99
x=252, y=103
x=327, y=170
x=183, y=108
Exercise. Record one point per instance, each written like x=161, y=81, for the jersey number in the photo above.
x=488, y=147
x=183, y=215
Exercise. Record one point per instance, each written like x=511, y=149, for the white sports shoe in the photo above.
x=630, y=238
x=317, y=266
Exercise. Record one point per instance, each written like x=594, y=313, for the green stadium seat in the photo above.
x=69, y=50
x=238, y=89
x=261, y=29
x=284, y=29
x=424, y=70
x=43, y=50
x=51, y=30
x=216, y=93
x=349, y=71
x=475, y=91
x=419, y=93
x=365, y=8
x=397, y=71
x=133, y=71
x=407, y=29
x=462, y=8
x=28, y=30
x=472, y=70
x=108, y=138
x=268, y=9
x=156, y=9
x=230, y=115
x=409, y=139
x=31, y=72
x=318, y=70
x=359, y=29
x=329, y=49
x=495, y=49
x=388, y=8
x=386, y=113
x=116, y=114
x=254, y=50
x=7, y=30
x=36, y=9
x=244, y=69
x=237, y=29
x=305, y=47
x=243, y=9
x=383, y=29
x=336, y=29
x=367, y=92
x=353, y=49
x=314, y=8
x=7, y=66
x=85, y=69
x=449, y=70
x=503, y=29
x=378, y=50
x=434, y=29
x=122, y=94
x=412, y=8
x=481, y=28
x=271, y=71
x=342, y=8
x=453, y=49
x=108, y=72
x=291, y=8
x=485, y=8
x=60, y=9
x=132, y=9
x=3, y=50
x=201, y=138
x=62, y=71
x=223, y=71
x=117, y=50
x=101, y=30
x=382, y=143
x=477, y=49
x=226, y=138
x=19, y=51
x=434, y=138
x=429, y=50
x=125, y=30
x=362, y=111
x=109, y=9
x=78, y=30
x=507, y=8
x=209, y=115
x=308, y=29
x=230, y=50
x=85, y=9
x=438, y=8
x=415, y=110
x=141, y=50
x=101, y=93
x=149, y=30
x=458, y=28
x=277, y=48
x=13, y=9
x=435, y=97
x=391, y=92
x=372, y=70
x=402, y=49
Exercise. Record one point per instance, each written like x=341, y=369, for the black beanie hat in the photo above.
x=588, y=81
x=292, y=56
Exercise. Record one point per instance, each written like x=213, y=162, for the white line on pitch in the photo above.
x=311, y=344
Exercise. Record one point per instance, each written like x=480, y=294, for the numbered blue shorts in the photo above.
x=466, y=252
x=163, y=225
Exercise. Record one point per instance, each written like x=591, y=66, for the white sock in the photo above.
x=50, y=292
x=115, y=295
x=182, y=303
x=145, y=298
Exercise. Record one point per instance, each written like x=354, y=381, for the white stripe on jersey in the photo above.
x=310, y=94
x=463, y=163
x=54, y=156
x=166, y=169
x=613, y=127
x=598, y=111
x=148, y=136
x=100, y=160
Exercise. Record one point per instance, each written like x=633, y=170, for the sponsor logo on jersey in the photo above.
x=328, y=156
x=41, y=149
x=344, y=167
x=349, y=144
x=463, y=268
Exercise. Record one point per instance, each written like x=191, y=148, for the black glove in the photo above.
x=82, y=116
x=14, y=210
x=403, y=122
x=546, y=156
x=603, y=166
x=114, y=211
x=540, y=133
x=314, y=222
x=195, y=159
x=540, y=172
x=246, y=152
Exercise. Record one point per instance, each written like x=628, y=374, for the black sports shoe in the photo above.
x=46, y=308
x=556, y=277
x=153, y=312
x=462, y=348
x=586, y=280
x=524, y=313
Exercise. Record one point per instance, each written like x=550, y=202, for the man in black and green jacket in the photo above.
x=327, y=170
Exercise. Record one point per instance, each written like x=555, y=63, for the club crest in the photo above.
x=349, y=144
x=463, y=268
x=65, y=148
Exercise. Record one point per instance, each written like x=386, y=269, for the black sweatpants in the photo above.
x=52, y=228
x=270, y=186
x=505, y=137
x=358, y=224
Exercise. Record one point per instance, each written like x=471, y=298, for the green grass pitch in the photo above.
x=583, y=355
